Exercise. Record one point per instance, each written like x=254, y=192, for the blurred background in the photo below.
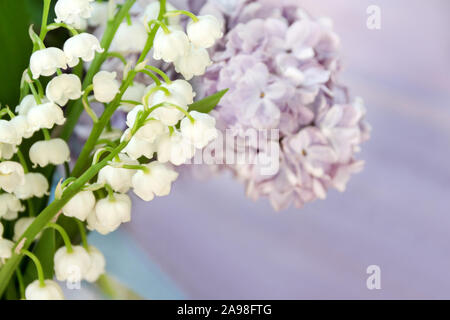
x=208, y=241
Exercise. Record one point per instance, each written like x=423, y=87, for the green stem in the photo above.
x=44, y=19
x=152, y=91
x=34, y=92
x=38, y=265
x=151, y=75
x=86, y=105
x=63, y=234
x=110, y=192
x=117, y=55
x=21, y=285
x=186, y=13
x=22, y=161
x=161, y=24
x=46, y=134
x=160, y=72
x=82, y=234
x=135, y=167
x=55, y=25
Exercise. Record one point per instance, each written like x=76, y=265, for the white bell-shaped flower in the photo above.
x=8, y=133
x=80, y=205
x=118, y=178
x=134, y=92
x=81, y=46
x=11, y=175
x=150, y=131
x=71, y=266
x=73, y=12
x=156, y=180
x=109, y=214
x=36, y=185
x=99, y=14
x=44, y=62
x=98, y=264
x=63, y=88
x=168, y=115
x=22, y=126
x=45, y=115
x=151, y=12
x=175, y=148
x=21, y=226
x=204, y=32
x=105, y=86
x=53, y=151
x=10, y=206
x=27, y=103
x=7, y=151
x=170, y=46
x=129, y=38
x=138, y=147
x=51, y=291
x=5, y=249
x=200, y=132
x=194, y=63
x=181, y=88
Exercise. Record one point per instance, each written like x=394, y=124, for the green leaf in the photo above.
x=205, y=105
x=16, y=48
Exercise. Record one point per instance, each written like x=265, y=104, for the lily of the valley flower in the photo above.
x=53, y=151
x=10, y=206
x=22, y=126
x=5, y=249
x=44, y=62
x=138, y=147
x=170, y=46
x=151, y=12
x=175, y=148
x=51, y=291
x=81, y=46
x=98, y=264
x=73, y=12
x=45, y=115
x=129, y=38
x=204, y=32
x=201, y=131
x=21, y=226
x=36, y=185
x=62, y=88
x=134, y=92
x=105, y=86
x=8, y=133
x=11, y=175
x=194, y=63
x=156, y=180
x=80, y=206
x=110, y=213
x=118, y=178
x=71, y=266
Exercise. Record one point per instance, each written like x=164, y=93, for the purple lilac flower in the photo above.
x=280, y=66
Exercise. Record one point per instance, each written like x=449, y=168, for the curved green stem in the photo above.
x=178, y=12
x=110, y=192
x=55, y=25
x=135, y=167
x=159, y=23
x=19, y=277
x=63, y=234
x=46, y=134
x=151, y=75
x=43, y=31
x=160, y=72
x=38, y=265
x=86, y=105
x=152, y=91
x=83, y=234
x=113, y=54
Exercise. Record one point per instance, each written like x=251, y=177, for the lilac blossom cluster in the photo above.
x=281, y=68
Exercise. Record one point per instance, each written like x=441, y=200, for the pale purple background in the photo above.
x=212, y=242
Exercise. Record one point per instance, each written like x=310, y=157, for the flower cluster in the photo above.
x=280, y=66
x=162, y=132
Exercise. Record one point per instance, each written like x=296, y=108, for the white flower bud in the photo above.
x=53, y=151
x=11, y=175
x=99, y=14
x=10, y=206
x=44, y=62
x=98, y=264
x=109, y=214
x=204, y=32
x=36, y=185
x=51, y=291
x=62, y=88
x=7, y=150
x=71, y=266
x=27, y=103
x=169, y=115
x=156, y=180
x=138, y=147
x=73, y=12
x=105, y=86
x=8, y=133
x=170, y=46
x=201, y=131
x=118, y=178
x=151, y=12
x=5, y=248
x=175, y=148
x=80, y=205
x=21, y=226
x=22, y=126
x=194, y=63
x=183, y=89
x=84, y=46
x=45, y=115
x=129, y=39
